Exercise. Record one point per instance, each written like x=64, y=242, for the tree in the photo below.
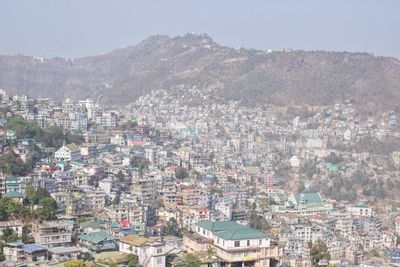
x=26, y=236
x=12, y=209
x=2, y=257
x=319, y=251
x=48, y=209
x=36, y=195
x=22, y=127
x=12, y=164
x=172, y=228
x=54, y=136
x=190, y=260
x=181, y=173
x=258, y=222
x=9, y=235
x=332, y=158
x=120, y=176
x=133, y=260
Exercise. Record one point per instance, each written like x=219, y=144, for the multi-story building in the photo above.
x=234, y=244
x=68, y=152
x=31, y=254
x=107, y=120
x=53, y=233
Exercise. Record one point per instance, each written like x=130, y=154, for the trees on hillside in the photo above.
x=181, y=173
x=318, y=251
x=172, y=228
x=12, y=164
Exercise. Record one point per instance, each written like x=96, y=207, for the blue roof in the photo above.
x=30, y=248
x=309, y=197
x=14, y=194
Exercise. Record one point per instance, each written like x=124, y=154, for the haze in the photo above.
x=75, y=28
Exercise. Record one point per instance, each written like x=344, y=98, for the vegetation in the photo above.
x=10, y=209
x=346, y=189
x=318, y=251
x=12, y=164
x=26, y=236
x=133, y=260
x=34, y=196
x=189, y=260
x=172, y=228
x=258, y=222
x=9, y=235
x=333, y=158
x=75, y=263
x=181, y=173
x=52, y=136
x=120, y=176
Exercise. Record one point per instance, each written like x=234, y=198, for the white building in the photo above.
x=68, y=153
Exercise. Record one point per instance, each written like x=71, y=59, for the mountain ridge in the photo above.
x=249, y=75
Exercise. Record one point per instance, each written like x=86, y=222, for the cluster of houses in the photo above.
x=211, y=169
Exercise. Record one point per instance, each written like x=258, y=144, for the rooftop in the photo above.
x=229, y=230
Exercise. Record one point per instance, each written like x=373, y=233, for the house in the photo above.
x=307, y=203
x=31, y=254
x=15, y=225
x=98, y=241
x=150, y=252
x=69, y=152
x=233, y=243
x=360, y=210
x=53, y=233
x=397, y=225
x=13, y=184
x=17, y=196
x=64, y=253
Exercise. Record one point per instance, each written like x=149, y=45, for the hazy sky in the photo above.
x=75, y=28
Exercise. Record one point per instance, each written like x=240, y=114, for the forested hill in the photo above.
x=252, y=76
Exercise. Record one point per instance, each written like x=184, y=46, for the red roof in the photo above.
x=138, y=143
x=125, y=223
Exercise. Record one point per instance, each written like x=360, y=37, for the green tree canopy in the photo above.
x=48, y=208
x=258, y=222
x=319, y=251
x=181, y=173
x=12, y=164
x=172, y=228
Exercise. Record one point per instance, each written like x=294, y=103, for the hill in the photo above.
x=252, y=76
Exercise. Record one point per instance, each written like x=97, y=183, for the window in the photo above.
x=237, y=244
x=217, y=240
x=260, y=241
x=159, y=250
x=248, y=242
x=159, y=260
x=204, y=232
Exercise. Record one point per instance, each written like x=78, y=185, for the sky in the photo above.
x=77, y=28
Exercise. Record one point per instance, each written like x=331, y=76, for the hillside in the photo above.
x=253, y=76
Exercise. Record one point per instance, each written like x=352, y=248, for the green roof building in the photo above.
x=234, y=244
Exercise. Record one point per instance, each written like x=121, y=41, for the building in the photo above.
x=307, y=204
x=53, y=233
x=360, y=210
x=15, y=225
x=32, y=254
x=69, y=152
x=234, y=244
x=150, y=252
x=98, y=241
x=107, y=120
